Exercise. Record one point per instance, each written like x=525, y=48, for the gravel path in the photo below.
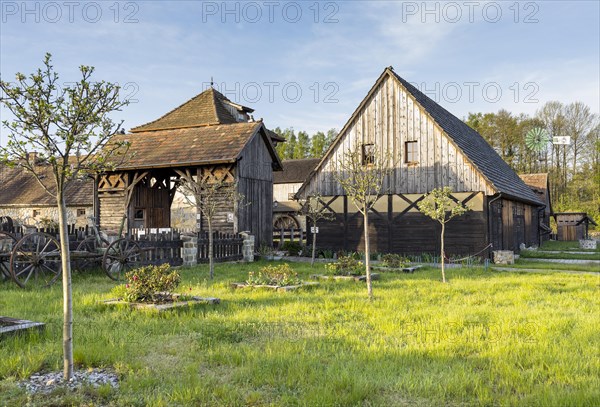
x=47, y=382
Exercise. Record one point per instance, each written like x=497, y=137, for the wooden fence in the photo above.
x=226, y=247
x=292, y=234
x=159, y=247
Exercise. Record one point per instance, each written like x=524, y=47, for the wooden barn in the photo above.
x=25, y=201
x=285, y=185
x=573, y=225
x=432, y=149
x=210, y=137
x=540, y=185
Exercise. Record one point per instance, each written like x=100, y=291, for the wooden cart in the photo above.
x=35, y=257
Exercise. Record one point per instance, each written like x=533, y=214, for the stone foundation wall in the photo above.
x=504, y=257
x=588, y=244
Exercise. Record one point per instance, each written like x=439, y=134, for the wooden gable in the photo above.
x=389, y=117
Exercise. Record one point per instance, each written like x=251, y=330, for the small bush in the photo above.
x=394, y=260
x=345, y=266
x=151, y=284
x=280, y=275
x=292, y=248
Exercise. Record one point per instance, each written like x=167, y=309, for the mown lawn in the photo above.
x=486, y=338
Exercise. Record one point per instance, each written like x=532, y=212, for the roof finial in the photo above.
x=212, y=83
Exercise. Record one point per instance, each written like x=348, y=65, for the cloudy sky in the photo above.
x=307, y=64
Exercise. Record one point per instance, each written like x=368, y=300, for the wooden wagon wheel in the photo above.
x=7, y=242
x=121, y=256
x=35, y=258
x=91, y=253
x=285, y=222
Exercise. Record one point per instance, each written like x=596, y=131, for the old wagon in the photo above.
x=35, y=257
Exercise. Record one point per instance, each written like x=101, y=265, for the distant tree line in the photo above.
x=574, y=170
x=301, y=145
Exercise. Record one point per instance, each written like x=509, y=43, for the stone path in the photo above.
x=566, y=252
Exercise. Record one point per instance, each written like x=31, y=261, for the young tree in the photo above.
x=207, y=196
x=317, y=145
x=314, y=210
x=363, y=174
x=69, y=129
x=440, y=206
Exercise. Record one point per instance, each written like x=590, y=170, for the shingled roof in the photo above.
x=191, y=146
x=207, y=108
x=19, y=188
x=539, y=185
x=295, y=171
x=476, y=149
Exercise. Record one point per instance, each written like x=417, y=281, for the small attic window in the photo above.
x=368, y=154
x=411, y=152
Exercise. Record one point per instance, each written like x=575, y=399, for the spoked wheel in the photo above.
x=7, y=242
x=89, y=254
x=35, y=259
x=121, y=256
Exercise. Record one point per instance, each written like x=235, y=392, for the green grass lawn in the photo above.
x=485, y=338
x=564, y=255
x=526, y=264
x=570, y=245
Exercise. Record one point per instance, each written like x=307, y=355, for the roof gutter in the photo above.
x=489, y=225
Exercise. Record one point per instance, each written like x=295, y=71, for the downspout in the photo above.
x=539, y=224
x=489, y=205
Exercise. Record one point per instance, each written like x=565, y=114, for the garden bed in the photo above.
x=274, y=287
x=12, y=326
x=409, y=269
x=176, y=303
x=374, y=276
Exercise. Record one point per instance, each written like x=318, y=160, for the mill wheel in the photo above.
x=7, y=242
x=35, y=259
x=121, y=256
x=285, y=222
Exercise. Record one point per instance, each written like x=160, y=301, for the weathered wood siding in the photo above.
x=390, y=118
x=111, y=200
x=513, y=223
x=281, y=192
x=255, y=183
x=152, y=196
x=396, y=226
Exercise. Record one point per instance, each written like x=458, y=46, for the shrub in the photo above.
x=292, y=248
x=345, y=266
x=151, y=284
x=394, y=260
x=280, y=275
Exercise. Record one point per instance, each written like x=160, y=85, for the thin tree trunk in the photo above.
x=367, y=253
x=211, y=265
x=314, y=244
x=442, y=254
x=67, y=290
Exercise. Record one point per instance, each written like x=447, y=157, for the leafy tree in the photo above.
x=441, y=207
x=314, y=210
x=363, y=182
x=317, y=147
x=69, y=129
x=302, y=147
x=207, y=196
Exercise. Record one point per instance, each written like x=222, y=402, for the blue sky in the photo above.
x=262, y=54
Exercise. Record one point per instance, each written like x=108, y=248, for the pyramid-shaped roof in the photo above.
x=208, y=108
